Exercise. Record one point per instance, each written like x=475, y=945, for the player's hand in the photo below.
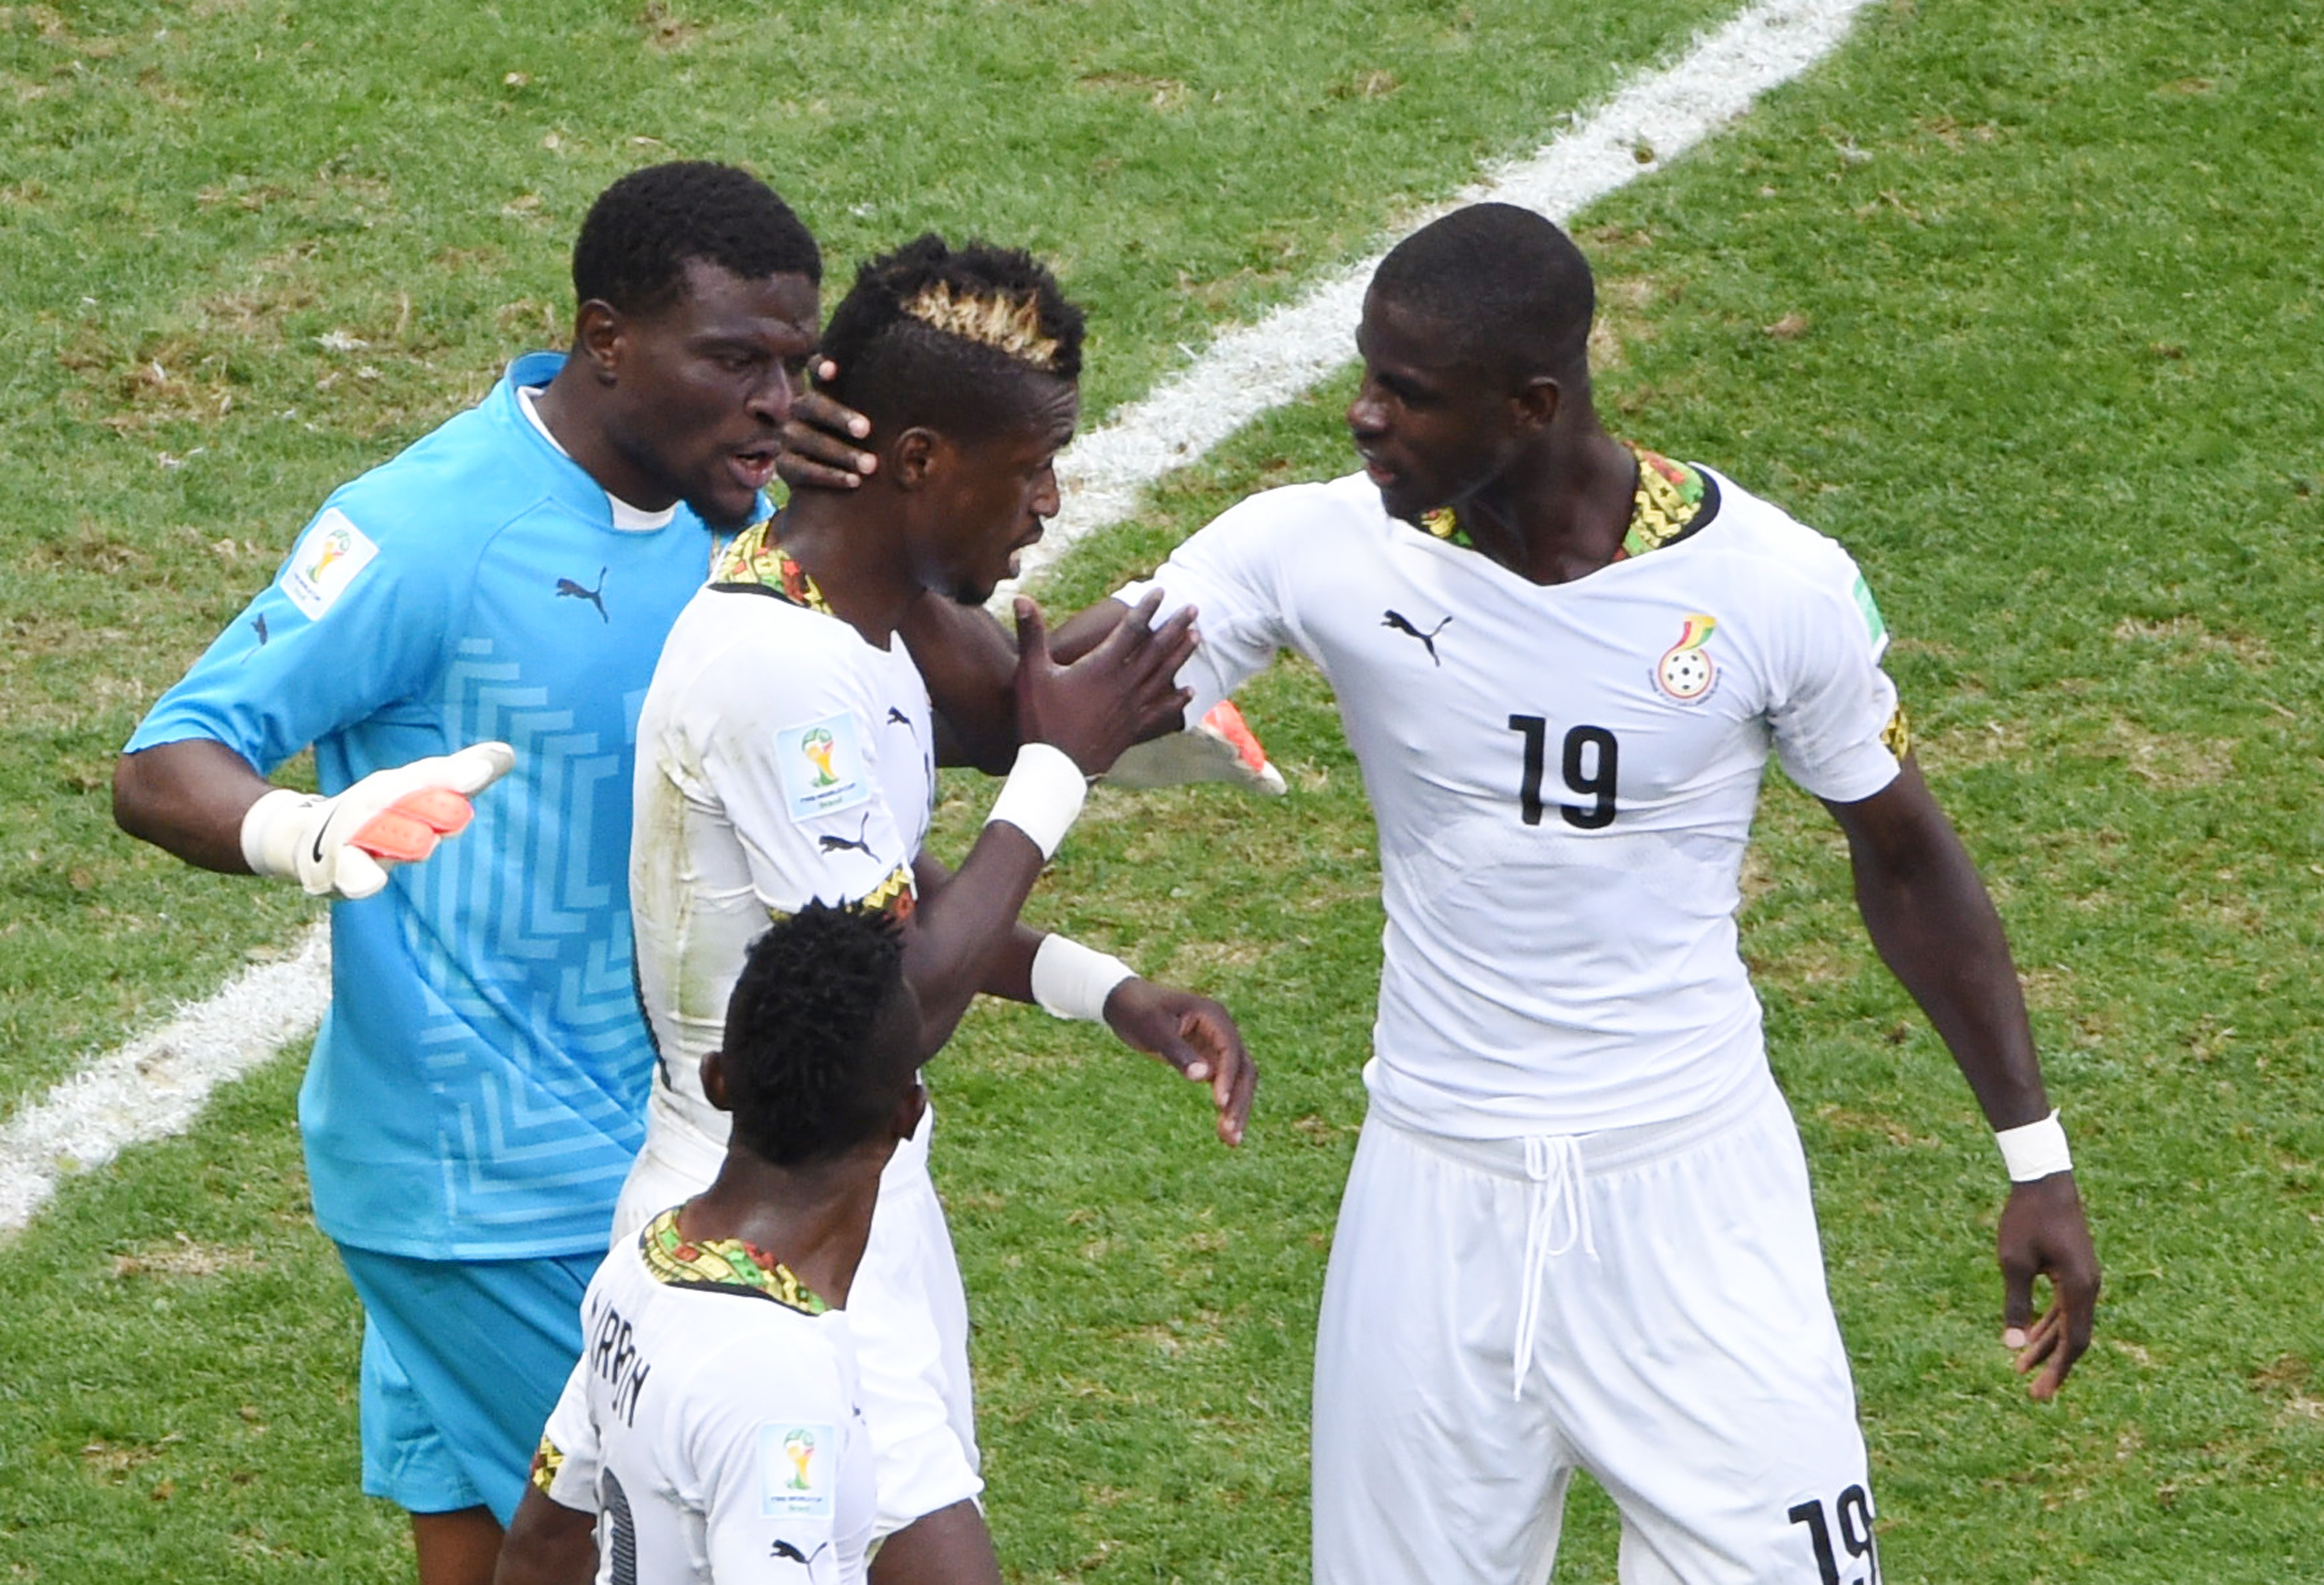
x=2043, y=1234
x=1121, y=691
x=822, y=440
x=1196, y=1036
x=345, y=845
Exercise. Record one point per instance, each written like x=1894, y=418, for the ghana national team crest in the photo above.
x=1687, y=671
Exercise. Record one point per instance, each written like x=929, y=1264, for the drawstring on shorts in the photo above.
x=1554, y=1174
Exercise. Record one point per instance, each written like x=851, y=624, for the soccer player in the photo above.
x=1578, y=1232
x=475, y=1094
x=784, y=756
x=712, y=1427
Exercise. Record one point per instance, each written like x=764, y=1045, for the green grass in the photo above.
x=2018, y=301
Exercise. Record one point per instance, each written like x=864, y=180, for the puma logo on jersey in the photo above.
x=860, y=842
x=1402, y=624
x=787, y=1552
x=258, y=626
x=899, y=718
x=1686, y=671
x=567, y=589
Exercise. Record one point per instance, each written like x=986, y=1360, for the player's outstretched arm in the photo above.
x=1930, y=919
x=547, y=1544
x=1073, y=721
x=202, y=801
x=1190, y=1032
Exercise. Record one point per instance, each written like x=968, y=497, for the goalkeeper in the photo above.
x=474, y=1100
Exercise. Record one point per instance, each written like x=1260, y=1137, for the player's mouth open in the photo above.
x=1377, y=471
x=755, y=467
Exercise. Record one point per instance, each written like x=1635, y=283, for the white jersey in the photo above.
x=782, y=758
x=1563, y=776
x=712, y=1423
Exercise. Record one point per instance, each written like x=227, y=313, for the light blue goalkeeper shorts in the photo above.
x=462, y=1362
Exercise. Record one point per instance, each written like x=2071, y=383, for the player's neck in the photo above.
x=1560, y=515
x=815, y=1219
x=566, y=408
x=843, y=540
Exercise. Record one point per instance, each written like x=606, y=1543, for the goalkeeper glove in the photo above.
x=1220, y=747
x=343, y=846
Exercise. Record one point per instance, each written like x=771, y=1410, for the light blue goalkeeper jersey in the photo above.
x=477, y=1090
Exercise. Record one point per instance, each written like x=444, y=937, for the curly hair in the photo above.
x=954, y=338
x=639, y=234
x=1509, y=288
x=822, y=1039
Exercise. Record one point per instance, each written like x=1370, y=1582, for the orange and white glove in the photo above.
x=343, y=847
x=1220, y=747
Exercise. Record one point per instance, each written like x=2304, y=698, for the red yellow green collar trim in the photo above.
x=1673, y=500
x=756, y=561
x=729, y=1265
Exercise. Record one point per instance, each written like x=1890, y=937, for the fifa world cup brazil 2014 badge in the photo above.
x=823, y=769
x=326, y=562
x=795, y=1469
x=1686, y=671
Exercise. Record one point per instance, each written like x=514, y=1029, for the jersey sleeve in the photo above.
x=353, y=622
x=769, y=1452
x=795, y=767
x=564, y=1466
x=1837, y=725
x=1232, y=572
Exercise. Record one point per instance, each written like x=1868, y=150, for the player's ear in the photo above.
x=918, y=453
x=714, y=1079
x=1537, y=401
x=598, y=333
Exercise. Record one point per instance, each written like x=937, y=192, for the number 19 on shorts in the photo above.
x=1846, y=1529
x=1589, y=761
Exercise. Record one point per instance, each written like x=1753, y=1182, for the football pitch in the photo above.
x=2018, y=299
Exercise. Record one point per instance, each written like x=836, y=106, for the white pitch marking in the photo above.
x=155, y=1085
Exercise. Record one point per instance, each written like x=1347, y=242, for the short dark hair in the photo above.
x=934, y=335
x=813, y=1060
x=1508, y=287
x=633, y=246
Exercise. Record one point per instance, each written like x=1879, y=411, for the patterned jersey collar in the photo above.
x=1673, y=501
x=727, y=1265
x=756, y=562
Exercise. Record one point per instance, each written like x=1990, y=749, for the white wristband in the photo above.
x=1042, y=795
x=1071, y=980
x=2035, y=1150
x=270, y=846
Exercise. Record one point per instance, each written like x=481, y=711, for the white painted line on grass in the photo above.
x=1253, y=369
x=156, y=1086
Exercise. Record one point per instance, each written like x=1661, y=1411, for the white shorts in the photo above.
x=1680, y=1347
x=906, y=1310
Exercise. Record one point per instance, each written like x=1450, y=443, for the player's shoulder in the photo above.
x=1770, y=544
x=1346, y=505
x=449, y=490
x=750, y=627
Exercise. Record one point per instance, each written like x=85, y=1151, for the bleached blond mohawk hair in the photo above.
x=1005, y=322
x=966, y=340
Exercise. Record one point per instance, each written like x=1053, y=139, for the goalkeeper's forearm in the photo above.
x=189, y=798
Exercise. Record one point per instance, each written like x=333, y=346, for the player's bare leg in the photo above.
x=457, y=1548
x=950, y=1546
